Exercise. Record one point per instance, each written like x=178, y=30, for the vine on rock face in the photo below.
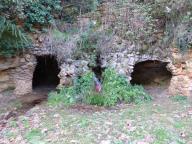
x=12, y=38
x=18, y=17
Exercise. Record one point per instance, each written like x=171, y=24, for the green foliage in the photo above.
x=184, y=40
x=70, y=95
x=161, y=135
x=136, y=23
x=154, y=23
x=65, y=96
x=83, y=86
x=34, y=136
x=12, y=38
x=115, y=89
x=41, y=12
x=85, y=6
x=87, y=46
x=70, y=13
x=179, y=98
x=73, y=8
x=87, y=43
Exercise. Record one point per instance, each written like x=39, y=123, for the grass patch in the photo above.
x=34, y=137
x=179, y=98
x=17, y=104
x=161, y=136
x=121, y=124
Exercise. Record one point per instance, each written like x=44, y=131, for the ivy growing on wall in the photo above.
x=18, y=17
x=12, y=38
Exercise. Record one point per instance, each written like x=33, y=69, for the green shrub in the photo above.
x=83, y=86
x=41, y=12
x=87, y=46
x=34, y=136
x=179, y=98
x=12, y=38
x=70, y=95
x=65, y=96
x=85, y=6
x=184, y=40
x=115, y=89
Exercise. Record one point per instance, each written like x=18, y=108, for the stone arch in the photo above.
x=46, y=72
x=23, y=74
x=151, y=72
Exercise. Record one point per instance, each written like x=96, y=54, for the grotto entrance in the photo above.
x=46, y=72
x=44, y=80
x=153, y=75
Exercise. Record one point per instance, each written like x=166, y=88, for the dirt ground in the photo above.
x=162, y=121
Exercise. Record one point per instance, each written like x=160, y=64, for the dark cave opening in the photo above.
x=151, y=73
x=46, y=72
x=98, y=70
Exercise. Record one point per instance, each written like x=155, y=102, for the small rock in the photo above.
x=105, y=142
x=22, y=60
x=56, y=115
x=190, y=112
x=142, y=142
x=182, y=134
x=74, y=141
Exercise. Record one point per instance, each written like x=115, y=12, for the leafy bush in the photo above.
x=179, y=98
x=184, y=40
x=34, y=136
x=69, y=95
x=83, y=86
x=115, y=89
x=85, y=6
x=87, y=47
x=73, y=8
x=65, y=96
x=41, y=12
x=12, y=38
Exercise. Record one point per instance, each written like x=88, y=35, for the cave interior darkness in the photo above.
x=46, y=72
x=151, y=73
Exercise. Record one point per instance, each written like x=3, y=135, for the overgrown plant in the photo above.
x=41, y=12
x=12, y=39
x=115, y=89
x=179, y=98
x=34, y=15
x=65, y=95
x=87, y=47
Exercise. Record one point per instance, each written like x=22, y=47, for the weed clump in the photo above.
x=115, y=89
x=179, y=98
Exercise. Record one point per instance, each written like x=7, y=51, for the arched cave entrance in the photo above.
x=151, y=73
x=46, y=72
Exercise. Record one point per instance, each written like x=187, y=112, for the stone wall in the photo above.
x=6, y=67
x=117, y=53
x=17, y=72
x=71, y=69
x=181, y=67
x=23, y=75
x=181, y=81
